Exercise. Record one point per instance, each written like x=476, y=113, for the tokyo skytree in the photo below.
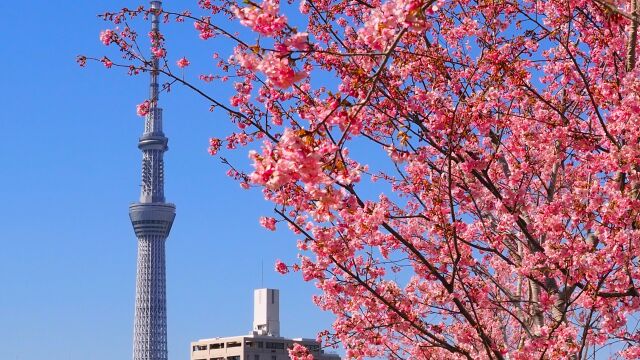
x=151, y=218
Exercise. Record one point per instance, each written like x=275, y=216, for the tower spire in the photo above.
x=156, y=7
x=153, y=138
x=152, y=219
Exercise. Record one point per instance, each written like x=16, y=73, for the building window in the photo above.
x=274, y=357
x=273, y=345
x=233, y=344
x=259, y=344
x=256, y=357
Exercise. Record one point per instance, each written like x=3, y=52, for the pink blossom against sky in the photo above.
x=69, y=149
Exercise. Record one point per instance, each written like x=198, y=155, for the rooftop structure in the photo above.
x=263, y=343
x=151, y=218
x=266, y=312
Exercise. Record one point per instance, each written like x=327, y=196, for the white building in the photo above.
x=263, y=343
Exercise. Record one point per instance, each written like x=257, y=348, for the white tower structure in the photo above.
x=151, y=218
x=266, y=312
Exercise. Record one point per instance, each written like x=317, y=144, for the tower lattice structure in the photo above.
x=152, y=218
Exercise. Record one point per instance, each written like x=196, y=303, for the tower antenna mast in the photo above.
x=152, y=219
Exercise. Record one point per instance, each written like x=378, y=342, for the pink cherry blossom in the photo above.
x=268, y=223
x=299, y=352
x=279, y=72
x=107, y=36
x=281, y=267
x=158, y=52
x=299, y=41
x=107, y=63
x=81, y=60
x=264, y=19
x=143, y=108
x=203, y=27
x=460, y=179
x=214, y=146
x=183, y=62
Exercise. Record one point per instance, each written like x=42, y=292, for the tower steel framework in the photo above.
x=151, y=218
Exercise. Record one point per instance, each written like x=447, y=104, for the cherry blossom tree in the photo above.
x=463, y=177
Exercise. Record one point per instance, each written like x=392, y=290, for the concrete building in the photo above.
x=266, y=312
x=263, y=343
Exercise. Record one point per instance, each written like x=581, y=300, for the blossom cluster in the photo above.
x=461, y=178
x=264, y=19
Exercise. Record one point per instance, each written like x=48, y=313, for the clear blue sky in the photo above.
x=69, y=168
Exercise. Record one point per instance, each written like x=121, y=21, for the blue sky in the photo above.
x=69, y=168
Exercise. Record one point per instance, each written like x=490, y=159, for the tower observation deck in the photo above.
x=151, y=218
